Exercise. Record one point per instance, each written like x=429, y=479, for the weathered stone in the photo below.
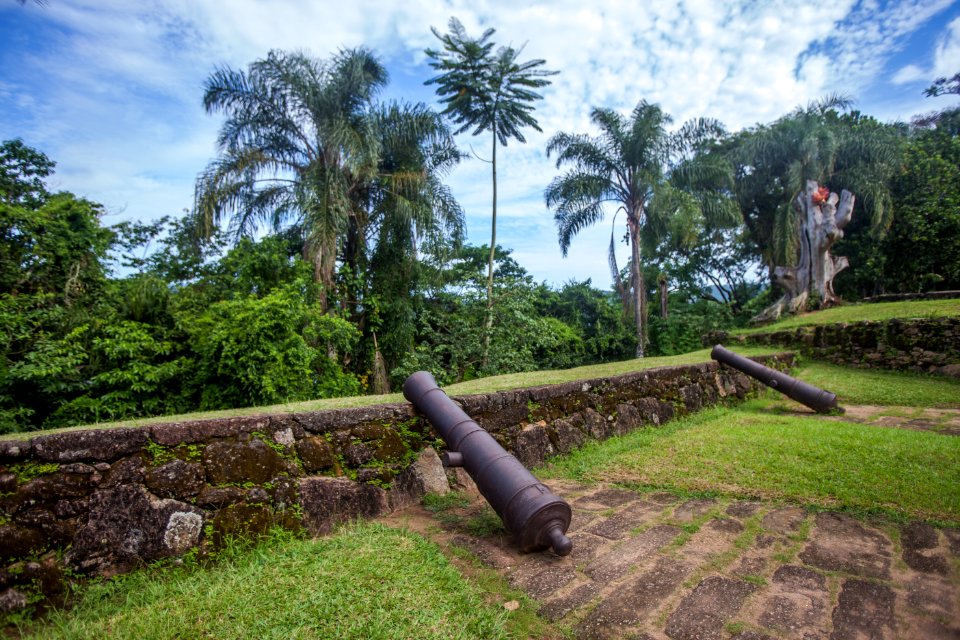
x=195, y=431
x=14, y=450
x=628, y=419
x=176, y=479
x=242, y=519
x=425, y=475
x=634, y=600
x=104, y=444
x=840, y=543
x=617, y=525
x=547, y=581
x=50, y=488
x=20, y=541
x=283, y=493
x=605, y=498
x=358, y=453
x=71, y=508
x=128, y=526
x=567, y=436
x=240, y=462
x=618, y=561
x=784, y=521
x=390, y=447
x=797, y=601
x=220, y=496
x=329, y=501
x=865, y=610
x=12, y=600
x=557, y=608
x=315, y=453
x=693, y=509
x=532, y=445
x=917, y=538
x=702, y=614
x=130, y=470
x=743, y=509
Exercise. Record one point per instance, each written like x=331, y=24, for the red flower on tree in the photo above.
x=821, y=195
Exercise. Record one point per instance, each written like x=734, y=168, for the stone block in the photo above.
x=327, y=502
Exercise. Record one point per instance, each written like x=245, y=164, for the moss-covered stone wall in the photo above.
x=103, y=501
x=928, y=345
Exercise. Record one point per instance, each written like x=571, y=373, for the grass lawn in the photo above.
x=482, y=385
x=866, y=311
x=367, y=581
x=750, y=451
x=881, y=387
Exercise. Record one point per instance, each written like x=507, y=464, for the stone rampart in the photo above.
x=104, y=501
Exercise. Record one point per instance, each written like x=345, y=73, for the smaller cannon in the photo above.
x=807, y=394
x=536, y=517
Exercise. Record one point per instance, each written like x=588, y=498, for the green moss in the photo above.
x=27, y=471
x=159, y=454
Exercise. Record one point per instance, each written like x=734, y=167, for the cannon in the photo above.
x=817, y=399
x=537, y=518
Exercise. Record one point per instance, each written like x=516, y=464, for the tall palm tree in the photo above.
x=490, y=91
x=654, y=177
x=297, y=144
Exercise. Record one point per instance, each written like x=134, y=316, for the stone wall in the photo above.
x=929, y=345
x=101, y=502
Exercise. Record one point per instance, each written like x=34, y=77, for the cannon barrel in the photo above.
x=536, y=517
x=807, y=394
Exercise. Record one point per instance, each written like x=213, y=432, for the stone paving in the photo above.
x=653, y=566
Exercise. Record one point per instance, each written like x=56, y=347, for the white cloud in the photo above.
x=909, y=73
x=116, y=86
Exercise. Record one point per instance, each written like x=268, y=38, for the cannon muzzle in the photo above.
x=807, y=394
x=537, y=518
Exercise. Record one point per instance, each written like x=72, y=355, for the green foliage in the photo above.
x=660, y=181
x=922, y=248
x=27, y=471
x=256, y=351
x=22, y=170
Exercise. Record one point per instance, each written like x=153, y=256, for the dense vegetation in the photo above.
x=324, y=255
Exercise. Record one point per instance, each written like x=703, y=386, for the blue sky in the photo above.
x=111, y=89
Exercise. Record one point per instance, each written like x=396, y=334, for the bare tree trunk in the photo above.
x=488, y=323
x=822, y=217
x=664, y=299
x=639, y=308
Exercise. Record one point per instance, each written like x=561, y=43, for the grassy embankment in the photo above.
x=367, y=581
x=481, y=385
x=860, y=312
x=759, y=450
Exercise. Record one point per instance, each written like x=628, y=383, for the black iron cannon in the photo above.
x=807, y=394
x=536, y=517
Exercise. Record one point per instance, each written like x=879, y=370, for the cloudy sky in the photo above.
x=111, y=89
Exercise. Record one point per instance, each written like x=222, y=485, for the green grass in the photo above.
x=881, y=387
x=481, y=385
x=867, y=311
x=367, y=581
x=750, y=452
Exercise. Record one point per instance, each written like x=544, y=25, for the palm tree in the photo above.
x=780, y=169
x=297, y=144
x=656, y=178
x=487, y=91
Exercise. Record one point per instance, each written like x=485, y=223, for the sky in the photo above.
x=111, y=89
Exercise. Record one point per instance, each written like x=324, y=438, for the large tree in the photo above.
x=658, y=179
x=306, y=144
x=788, y=173
x=483, y=90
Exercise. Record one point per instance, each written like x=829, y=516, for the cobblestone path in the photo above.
x=653, y=566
